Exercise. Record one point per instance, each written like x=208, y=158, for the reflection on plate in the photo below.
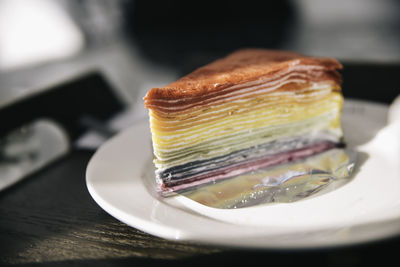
x=120, y=176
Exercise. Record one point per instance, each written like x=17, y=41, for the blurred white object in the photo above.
x=36, y=31
x=29, y=149
x=394, y=111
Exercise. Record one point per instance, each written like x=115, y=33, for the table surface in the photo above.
x=50, y=219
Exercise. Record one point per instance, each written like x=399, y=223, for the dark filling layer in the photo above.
x=244, y=166
x=200, y=166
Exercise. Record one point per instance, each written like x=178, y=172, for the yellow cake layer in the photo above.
x=253, y=119
x=313, y=128
x=228, y=109
x=231, y=105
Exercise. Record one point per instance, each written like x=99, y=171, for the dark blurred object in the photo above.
x=374, y=82
x=39, y=128
x=70, y=104
x=185, y=35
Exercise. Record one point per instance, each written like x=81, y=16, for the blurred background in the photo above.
x=140, y=44
x=80, y=62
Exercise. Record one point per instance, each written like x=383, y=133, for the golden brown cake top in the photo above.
x=239, y=67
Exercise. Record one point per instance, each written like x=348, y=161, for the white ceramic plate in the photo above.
x=366, y=208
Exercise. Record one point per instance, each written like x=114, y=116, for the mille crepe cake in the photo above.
x=253, y=109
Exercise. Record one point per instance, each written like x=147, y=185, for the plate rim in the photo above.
x=173, y=233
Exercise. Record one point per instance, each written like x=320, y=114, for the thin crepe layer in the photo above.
x=252, y=119
x=214, y=147
x=252, y=109
x=289, y=83
x=234, y=105
x=239, y=68
x=186, y=170
x=244, y=167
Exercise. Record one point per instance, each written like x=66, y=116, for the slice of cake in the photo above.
x=253, y=109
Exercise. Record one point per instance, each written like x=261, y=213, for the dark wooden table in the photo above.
x=49, y=219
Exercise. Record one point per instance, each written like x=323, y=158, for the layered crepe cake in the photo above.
x=251, y=110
